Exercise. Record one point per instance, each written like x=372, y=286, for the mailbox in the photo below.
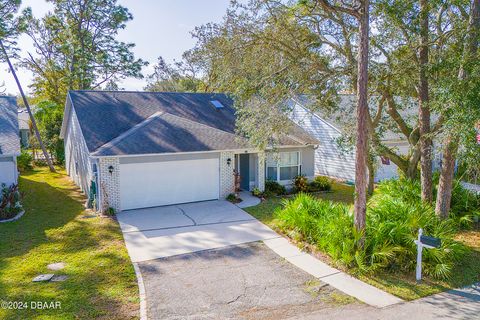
x=424, y=242
x=430, y=241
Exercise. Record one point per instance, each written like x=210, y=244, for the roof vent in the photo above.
x=217, y=104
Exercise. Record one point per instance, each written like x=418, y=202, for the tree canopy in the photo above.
x=76, y=48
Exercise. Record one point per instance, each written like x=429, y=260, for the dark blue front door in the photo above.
x=245, y=171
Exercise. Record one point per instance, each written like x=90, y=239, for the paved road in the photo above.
x=457, y=304
x=239, y=282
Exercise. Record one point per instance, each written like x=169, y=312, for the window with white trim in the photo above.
x=283, y=166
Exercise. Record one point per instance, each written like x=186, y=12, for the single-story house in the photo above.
x=333, y=160
x=9, y=141
x=24, y=127
x=146, y=149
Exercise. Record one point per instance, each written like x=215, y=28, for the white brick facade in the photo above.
x=227, y=180
x=109, y=184
x=261, y=171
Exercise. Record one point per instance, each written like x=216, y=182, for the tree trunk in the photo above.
x=360, y=205
x=27, y=106
x=445, y=185
x=371, y=175
x=424, y=110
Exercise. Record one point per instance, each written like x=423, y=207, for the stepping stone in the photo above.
x=56, y=266
x=59, y=278
x=43, y=277
x=88, y=216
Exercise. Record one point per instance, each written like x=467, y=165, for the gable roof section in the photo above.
x=104, y=115
x=167, y=133
x=345, y=114
x=9, y=139
x=124, y=123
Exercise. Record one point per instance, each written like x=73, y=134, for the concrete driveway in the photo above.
x=161, y=232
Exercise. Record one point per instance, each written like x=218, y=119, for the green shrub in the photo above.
x=232, y=197
x=320, y=184
x=393, y=220
x=256, y=192
x=300, y=183
x=274, y=188
x=110, y=211
x=24, y=161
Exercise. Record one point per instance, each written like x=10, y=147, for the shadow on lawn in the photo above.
x=51, y=231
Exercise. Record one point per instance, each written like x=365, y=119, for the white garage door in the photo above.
x=169, y=182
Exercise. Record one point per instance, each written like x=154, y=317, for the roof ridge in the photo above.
x=162, y=92
x=129, y=132
x=145, y=122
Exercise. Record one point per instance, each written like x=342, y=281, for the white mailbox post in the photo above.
x=424, y=242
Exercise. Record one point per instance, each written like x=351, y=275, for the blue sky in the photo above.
x=159, y=27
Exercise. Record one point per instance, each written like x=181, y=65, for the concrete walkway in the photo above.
x=248, y=200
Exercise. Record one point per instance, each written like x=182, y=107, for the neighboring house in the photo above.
x=333, y=160
x=24, y=126
x=9, y=141
x=145, y=149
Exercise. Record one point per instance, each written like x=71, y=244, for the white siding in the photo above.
x=389, y=171
x=330, y=160
x=8, y=171
x=77, y=159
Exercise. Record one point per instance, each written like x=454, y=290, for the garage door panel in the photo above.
x=169, y=182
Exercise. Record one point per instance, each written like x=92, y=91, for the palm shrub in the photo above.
x=464, y=205
x=393, y=218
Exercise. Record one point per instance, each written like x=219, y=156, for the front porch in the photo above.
x=247, y=170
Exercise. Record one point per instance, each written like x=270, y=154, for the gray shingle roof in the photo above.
x=122, y=122
x=9, y=139
x=164, y=133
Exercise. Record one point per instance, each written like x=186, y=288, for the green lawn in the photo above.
x=101, y=281
x=401, y=285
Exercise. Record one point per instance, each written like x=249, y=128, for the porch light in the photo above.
x=110, y=169
x=229, y=161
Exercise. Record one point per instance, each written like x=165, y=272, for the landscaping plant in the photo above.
x=256, y=192
x=300, y=183
x=24, y=161
x=233, y=198
x=9, y=201
x=320, y=183
x=273, y=188
x=394, y=216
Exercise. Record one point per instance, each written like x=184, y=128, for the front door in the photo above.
x=245, y=172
